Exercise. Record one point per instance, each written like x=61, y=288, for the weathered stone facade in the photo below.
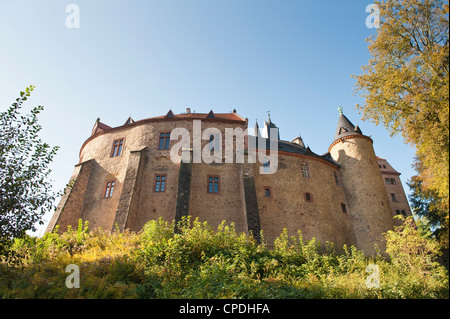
x=339, y=196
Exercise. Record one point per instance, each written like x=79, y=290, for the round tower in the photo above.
x=368, y=206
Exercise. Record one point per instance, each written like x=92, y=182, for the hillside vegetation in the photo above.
x=201, y=262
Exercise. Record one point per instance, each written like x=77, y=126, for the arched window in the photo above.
x=305, y=171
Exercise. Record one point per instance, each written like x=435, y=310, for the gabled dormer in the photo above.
x=210, y=115
x=129, y=121
x=169, y=114
x=99, y=127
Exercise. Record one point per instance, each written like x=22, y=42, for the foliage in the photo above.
x=406, y=86
x=426, y=205
x=25, y=190
x=198, y=261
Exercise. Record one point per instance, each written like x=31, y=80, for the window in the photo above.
x=117, y=148
x=160, y=183
x=213, y=184
x=109, y=189
x=403, y=213
x=164, y=140
x=336, y=179
x=394, y=199
x=266, y=165
x=308, y=197
x=267, y=192
x=305, y=171
x=343, y=208
x=390, y=181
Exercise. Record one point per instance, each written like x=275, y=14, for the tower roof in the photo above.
x=266, y=129
x=345, y=128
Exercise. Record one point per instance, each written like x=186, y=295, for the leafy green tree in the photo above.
x=427, y=207
x=406, y=86
x=25, y=189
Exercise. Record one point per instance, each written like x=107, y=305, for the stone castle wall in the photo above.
x=242, y=197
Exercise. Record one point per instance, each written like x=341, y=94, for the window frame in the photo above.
x=166, y=139
x=311, y=197
x=107, y=189
x=161, y=181
x=121, y=147
x=214, y=182
x=269, y=189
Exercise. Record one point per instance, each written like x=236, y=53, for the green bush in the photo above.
x=198, y=261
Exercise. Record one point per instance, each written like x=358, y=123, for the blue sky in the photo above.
x=142, y=58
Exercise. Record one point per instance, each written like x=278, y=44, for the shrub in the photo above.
x=198, y=261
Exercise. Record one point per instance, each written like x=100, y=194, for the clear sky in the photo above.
x=142, y=58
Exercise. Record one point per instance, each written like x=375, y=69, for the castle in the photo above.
x=126, y=177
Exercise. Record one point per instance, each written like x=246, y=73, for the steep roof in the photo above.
x=346, y=128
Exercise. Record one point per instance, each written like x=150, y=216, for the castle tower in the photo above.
x=368, y=205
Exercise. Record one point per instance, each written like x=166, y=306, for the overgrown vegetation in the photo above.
x=202, y=262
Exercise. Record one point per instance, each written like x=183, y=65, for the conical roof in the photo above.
x=345, y=128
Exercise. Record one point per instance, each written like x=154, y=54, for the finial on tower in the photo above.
x=340, y=110
x=268, y=114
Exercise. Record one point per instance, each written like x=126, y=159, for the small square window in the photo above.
x=109, y=189
x=117, y=148
x=388, y=181
x=393, y=182
x=308, y=197
x=164, y=141
x=267, y=192
x=213, y=184
x=160, y=183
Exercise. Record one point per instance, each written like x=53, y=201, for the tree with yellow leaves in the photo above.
x=406, y=86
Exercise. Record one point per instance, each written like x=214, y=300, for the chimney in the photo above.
x=188, y=110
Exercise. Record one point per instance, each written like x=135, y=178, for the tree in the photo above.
x=406, y=86
x=426, y=206
x=25, y=189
